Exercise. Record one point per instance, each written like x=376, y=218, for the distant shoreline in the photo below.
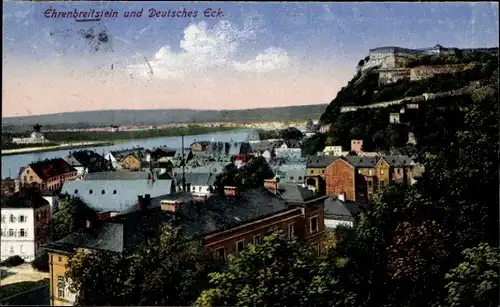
x=27, y=150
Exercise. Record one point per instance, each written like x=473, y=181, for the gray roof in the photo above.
x=126, y=232
x=358, y=161
x=72, y=161
x=139, y=152
x=118, y=175
x=320, y=161
x=293, y=193
x=118, y=194
x=292, y=175
x=263, y=145
x=196, y=179
x=212, y=167
x=342, y=210
x=398, y=161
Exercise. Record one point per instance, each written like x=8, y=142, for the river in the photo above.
x=12, y=164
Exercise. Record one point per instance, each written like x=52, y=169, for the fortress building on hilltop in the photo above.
x=391, y=57
x=36, y=137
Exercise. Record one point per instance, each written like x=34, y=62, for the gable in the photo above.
x=382, y=163
x=339, y=160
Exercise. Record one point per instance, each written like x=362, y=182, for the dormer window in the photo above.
x=114, y=191
x=102, y=192
x=90, y=192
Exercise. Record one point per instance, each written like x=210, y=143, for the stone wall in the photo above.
x=425, y=72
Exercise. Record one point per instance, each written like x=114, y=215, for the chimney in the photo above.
x=271, y=185
x=147, y=200
x=230, y=191
x=140, y=202
x=341, y=196
x=17, y=185
x=170, y=206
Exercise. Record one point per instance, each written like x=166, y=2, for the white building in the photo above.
x=25, y=225
x=114, y=162
x=288, y=150
x=333, y=151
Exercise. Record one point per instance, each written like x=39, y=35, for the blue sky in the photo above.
x=308, y=36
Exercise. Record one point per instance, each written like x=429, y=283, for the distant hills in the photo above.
x=158, y=117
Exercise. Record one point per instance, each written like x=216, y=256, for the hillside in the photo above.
x=443, y=99
x=157, y=117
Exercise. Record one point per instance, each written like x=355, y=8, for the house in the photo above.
x=315, y=170
x=292, y=173
x=87, y=161
x=26, y=218
x=115, y=195
x=358, y=178
x=357, y=145
x=212, y=167
x=340, y=212
x=186, y=153
x=289, y=150
x=199, y=145
x=10, y=186
x=324, y=128
x=160, y=153
x=116, y=157
x=196, y=183
x=131, y=163
x=159, y=167
x=333, y=151
x=240, y=160
x=52, y=197
x=224, y=224
x=48, y=174
x=118, y=175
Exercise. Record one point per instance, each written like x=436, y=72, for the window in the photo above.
x=11, y=232
x=313, y=224
x=21, y=249
x=90, y=192
x=291, y=177
x=103, y=192
x=291, y=230
x=3, y=219
x=381, y=171
x=398, y=171
x=323, y=171
x=370, y=172
x=240, y=245
x=22, y=219
x=311, y=171
x=76, y=191
x=369, y=184
x=11, y=249
x=194, y=189
x=59, y=259
x=300, y=177
x=114, y=191
x=381, y=183
x=199, y=189
x=12, y=218
x=221, y=253
x=27, y=171
x=25, y=178
x=22, y=233
x=256, y=239
x=61, y=284
x=31, y=178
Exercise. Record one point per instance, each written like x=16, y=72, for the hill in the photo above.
x=157, y=117
x=443, y=99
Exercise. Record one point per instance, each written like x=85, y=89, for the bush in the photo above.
x=12, y=261
x=41, y=262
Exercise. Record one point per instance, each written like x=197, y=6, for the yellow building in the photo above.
x=131, y=163
x=315, y=170
x=60, y=295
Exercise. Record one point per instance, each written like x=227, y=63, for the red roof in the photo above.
x=51, y=168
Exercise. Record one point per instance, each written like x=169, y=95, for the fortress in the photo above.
x=36, y=137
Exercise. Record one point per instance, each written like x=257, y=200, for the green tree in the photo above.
x=314, y=144
x=170, y=270
x=72, y=215
x=474, y=282
x=252, y=175
x=278, y=272
x=291, y=134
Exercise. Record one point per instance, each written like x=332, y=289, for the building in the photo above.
x=200, y=145
x=87, y=161
x=48, y=174
x=116, y=157
x=315, y=171
x=115, y=195
x=26, y=218
x=324, y=128
x=291, y=173
x=226, y=224
x=196, y=183
x=356, y=145
x=394, y=118
x=52, y=197
x=356, y=178
x=10, y=186
x=339, y=212
x=334, y=151
x=131, y=163
x=289, y=150
x=36, y=137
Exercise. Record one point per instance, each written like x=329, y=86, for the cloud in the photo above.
x=205, y=48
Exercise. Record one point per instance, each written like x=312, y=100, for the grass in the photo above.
x=16, y=288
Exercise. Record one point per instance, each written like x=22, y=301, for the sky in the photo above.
x=240, y=56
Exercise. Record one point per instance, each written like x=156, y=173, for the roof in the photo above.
x=118, y=194
x=138, y=152
x=72, y=161
x=196, y=179
x=126, y=232
x=91, y=160
x=343, y=210
x=51, y=168
x=212, y=167
x=27, y=198
x=320, y=161
x=117, y=175
x=293, y=193
x=398, y=161
x=293, y=144
x=362, y=162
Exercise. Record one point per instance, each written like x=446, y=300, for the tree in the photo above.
x=170, y=270
x=474, y=282
x=314, y=144
x=251, y=175
x=72, y=215
x=291, y=134
x=278, y=272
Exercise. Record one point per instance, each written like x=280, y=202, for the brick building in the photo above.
x=359, y=178
x=47, y=175
x=224, y=223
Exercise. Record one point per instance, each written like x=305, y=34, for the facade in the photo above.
x=87, y=161
x=196, y=183
x=48, y=174
x=425, y=72
x=131, y=163
x=36, y=137
x=394, y=118
x=358, y=178
x=26, y=218
x=229, y=224
x=315, y=171
x=333, y=151
x=357, y=145
x=289, y=150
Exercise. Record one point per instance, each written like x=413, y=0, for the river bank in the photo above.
x=26, y=150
